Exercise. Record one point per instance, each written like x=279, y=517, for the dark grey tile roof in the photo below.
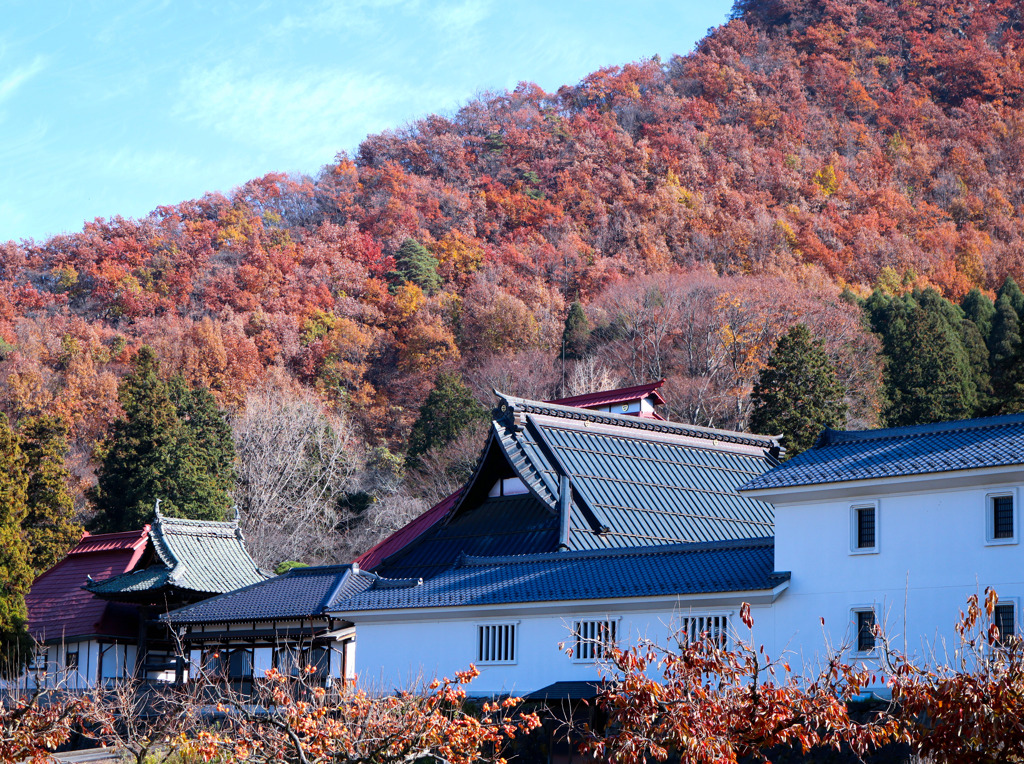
x=194, y=555
x=298, y=593
x=676, y=569
x=923, y=449
x=633, y=482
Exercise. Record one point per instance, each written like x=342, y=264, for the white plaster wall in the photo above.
x=397, y=655
x=932, y=554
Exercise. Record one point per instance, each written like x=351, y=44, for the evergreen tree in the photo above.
x=798, y=393
x=155, y=451
x=927, y=376
x=206, y=453
x=977, y=359
x=448, y=410
x=413, y=262
x=977, y=307
x=50, y=527
x=576, y=335
x=1012, y=292
x=15, y=572
x=1005, y=338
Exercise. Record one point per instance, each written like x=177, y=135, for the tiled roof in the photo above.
x=193, y=555
x=611, y=397
x=298, y=593
x=920, y=450
x=58, y=608
x=631, y=482
x=677, y=569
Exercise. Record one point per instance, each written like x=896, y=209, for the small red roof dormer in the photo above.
x=638, y=400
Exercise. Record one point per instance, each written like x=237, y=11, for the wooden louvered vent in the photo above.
x=711, y=627
x=593, y=638
x=497, y=643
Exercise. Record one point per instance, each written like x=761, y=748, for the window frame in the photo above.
x=990, y=518
x=478, y=647
x=1010, y=602
x=599, y=646
x=855, y=510
x=855, y=612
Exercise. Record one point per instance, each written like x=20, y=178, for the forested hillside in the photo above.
x=695, y=208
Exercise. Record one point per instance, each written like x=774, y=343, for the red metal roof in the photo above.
x=611, y=397
x=59, y=609
x=405, y=535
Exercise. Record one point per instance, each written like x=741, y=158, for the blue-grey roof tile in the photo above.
x=298, y=593
x=920, y=450
x=676, y=569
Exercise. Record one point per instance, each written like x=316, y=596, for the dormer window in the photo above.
x=1001, y=518
x=508, y=487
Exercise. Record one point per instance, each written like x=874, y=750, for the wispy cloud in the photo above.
x=349, y=15
x=309, y=115
x=9, y=85
x=460, y=18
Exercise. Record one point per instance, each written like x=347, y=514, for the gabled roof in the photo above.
x=678, y=569
x=597, y=480
x=59, y=609
x=297, y=594
x=900, y=451
x=612, y=397
x=405, y=535
x=197, y=556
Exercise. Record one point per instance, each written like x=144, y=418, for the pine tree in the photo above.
x=977, y=307
x=449, y=409
x=15, y=572
x=50, y=527
x=156, y=451
x=798, y=393
x=977, y=359
x=576, y=335
x=413, y=262
x=1012, y=292
x=927, y=376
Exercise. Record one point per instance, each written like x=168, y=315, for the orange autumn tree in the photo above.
x=707, y=702
x=298, y=722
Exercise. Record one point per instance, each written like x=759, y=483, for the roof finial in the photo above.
x=158, y=515
x=238, y=515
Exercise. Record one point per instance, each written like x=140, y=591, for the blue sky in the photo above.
x=113, y=107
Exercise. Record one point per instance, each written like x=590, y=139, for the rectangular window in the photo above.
x=710, y=627
x=496, y=643
x=865, y=630
x=71, y=660
x=1002, y=517
x=1004, y=618
x=865, y=527
x=593, y=638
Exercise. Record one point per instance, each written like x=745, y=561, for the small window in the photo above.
x=865, y=621
x=496, y=643
x=71, y=660
x=714, y=628
x=1002, y=528
x=864, y=529
x=593, y=638
x=1004, y=617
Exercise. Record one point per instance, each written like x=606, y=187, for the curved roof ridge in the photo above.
x=637, y=423
x=831, y=437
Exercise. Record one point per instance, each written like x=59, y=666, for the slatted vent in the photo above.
x=497, y=643
x=866, y=528
x=593, y=638
x=1005, y=620
x=711, y=627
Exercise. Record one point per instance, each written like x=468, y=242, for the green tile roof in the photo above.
x=192, y=555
